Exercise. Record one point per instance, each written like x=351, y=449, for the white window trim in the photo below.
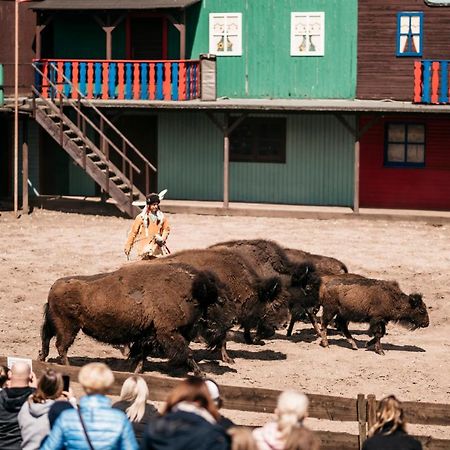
x=237, y=50
x=294, y=39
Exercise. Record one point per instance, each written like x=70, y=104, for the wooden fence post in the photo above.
x=361, y=409
x=371, y=410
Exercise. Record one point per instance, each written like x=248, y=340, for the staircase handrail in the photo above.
x=83, y=99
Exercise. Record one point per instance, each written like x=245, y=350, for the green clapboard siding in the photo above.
x=266, y=69
x=318, y=169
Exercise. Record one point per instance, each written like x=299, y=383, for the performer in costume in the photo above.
x=150, y=230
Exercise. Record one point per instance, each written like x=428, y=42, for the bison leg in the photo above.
x=291, y=326
x=226, y=358
x=377, y=330
x=47, y=332
x=314, y=322
x=249, y=340
x=63, y=342
x=342, y=326
x=327, y=316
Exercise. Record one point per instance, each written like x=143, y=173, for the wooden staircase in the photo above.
x=91, y=140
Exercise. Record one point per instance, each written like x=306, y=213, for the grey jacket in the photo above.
x=34, y=424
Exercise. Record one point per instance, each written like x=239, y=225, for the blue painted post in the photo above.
x=188, y=82
x=128, y=84
x=112, y=80
x=426, y=90
x=174, y=81
x=159, y=81
x=443, y=95
x=144, y=81
x=194, y=83
x=82, y=84
x=67, y=74
x=97, y=80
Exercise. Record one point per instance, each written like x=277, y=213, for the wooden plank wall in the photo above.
x=321, y=407
x=381, y=74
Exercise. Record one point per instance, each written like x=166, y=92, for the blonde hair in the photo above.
x=302, y=438
x=96, y=378
x=242, y=439
x=389, y=417
x=292, y=408
x=135, y=390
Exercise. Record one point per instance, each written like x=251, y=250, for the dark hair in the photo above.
x=302, y=438
x=3, y=375
x=50, y=386
x=192, y=390
x=152, y=198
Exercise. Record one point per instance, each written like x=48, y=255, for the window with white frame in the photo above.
x=307, y=33
x=409, y=33
x=225, y=34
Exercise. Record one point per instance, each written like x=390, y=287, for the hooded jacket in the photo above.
x=184, y=430
x=269, y=437
x=11, y=400
x=34, y=424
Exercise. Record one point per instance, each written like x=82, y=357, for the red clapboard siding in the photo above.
x=407, y=188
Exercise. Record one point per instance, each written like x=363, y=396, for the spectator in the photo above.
x=302, y=439
x=242, y=439
x=33, y=416
x=214, y=392
x=22, y=383
x=95, y=424
x=389, y=431
x=3, y=376
x=189, y=421
x=290, y=412
x=133, y=401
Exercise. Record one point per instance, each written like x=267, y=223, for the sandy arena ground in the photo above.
x=40, y=248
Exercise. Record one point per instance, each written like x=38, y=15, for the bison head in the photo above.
x=271, y=308
x=417, y=311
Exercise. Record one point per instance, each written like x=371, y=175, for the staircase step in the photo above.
x=115, y=178
x=92, y=155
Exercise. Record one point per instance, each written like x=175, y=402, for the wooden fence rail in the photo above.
x=360, y=409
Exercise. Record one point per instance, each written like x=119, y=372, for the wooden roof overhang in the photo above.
x=73, y=5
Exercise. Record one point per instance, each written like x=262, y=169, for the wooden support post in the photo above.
x=361, y=410
x=371, y=411
x=356, y=179
x=25, y=204
x=226, y=168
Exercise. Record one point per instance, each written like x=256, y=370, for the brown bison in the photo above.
x=156, y=307
x=299, y=279
x=254, y=302
x=354, y=298
x=323, y=265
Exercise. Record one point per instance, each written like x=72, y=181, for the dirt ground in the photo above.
x=38, y=249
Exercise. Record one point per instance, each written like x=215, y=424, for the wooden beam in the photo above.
x=226, y=164
x=25, y=203
x=356, y=178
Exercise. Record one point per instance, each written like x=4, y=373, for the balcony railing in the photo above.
x=121, y=80
x=431, y=82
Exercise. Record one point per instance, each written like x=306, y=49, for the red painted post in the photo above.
x=75, y=79
x=120, y=72
x=90, y=80
x=59, y=77
x=151, y=82
x=434, y=81
x=166, y=82
x=136, y=82
x=105, y=81
x=45, y=80
x=417, y=81
x=182, y=81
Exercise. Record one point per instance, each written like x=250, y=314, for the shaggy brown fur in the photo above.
x=253, y=302
x=154, y=306
x=354, y=298
x=299, y=280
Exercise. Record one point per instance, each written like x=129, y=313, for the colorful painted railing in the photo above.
x=431, y=82
x=122, y=80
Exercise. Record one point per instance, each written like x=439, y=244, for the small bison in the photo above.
x=322, y=265
x=254, y=302
x=354, y=298
x=155, y=307
x=299, y=279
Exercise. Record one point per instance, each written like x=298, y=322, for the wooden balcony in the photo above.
x=431, y=82
x=121, y=79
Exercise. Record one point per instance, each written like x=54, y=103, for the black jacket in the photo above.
x=11, y=400
x=399, y=440
x=182, y=430
x=139, y=427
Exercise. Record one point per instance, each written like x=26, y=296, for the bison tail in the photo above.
x=204, y=288
x=48, y=329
